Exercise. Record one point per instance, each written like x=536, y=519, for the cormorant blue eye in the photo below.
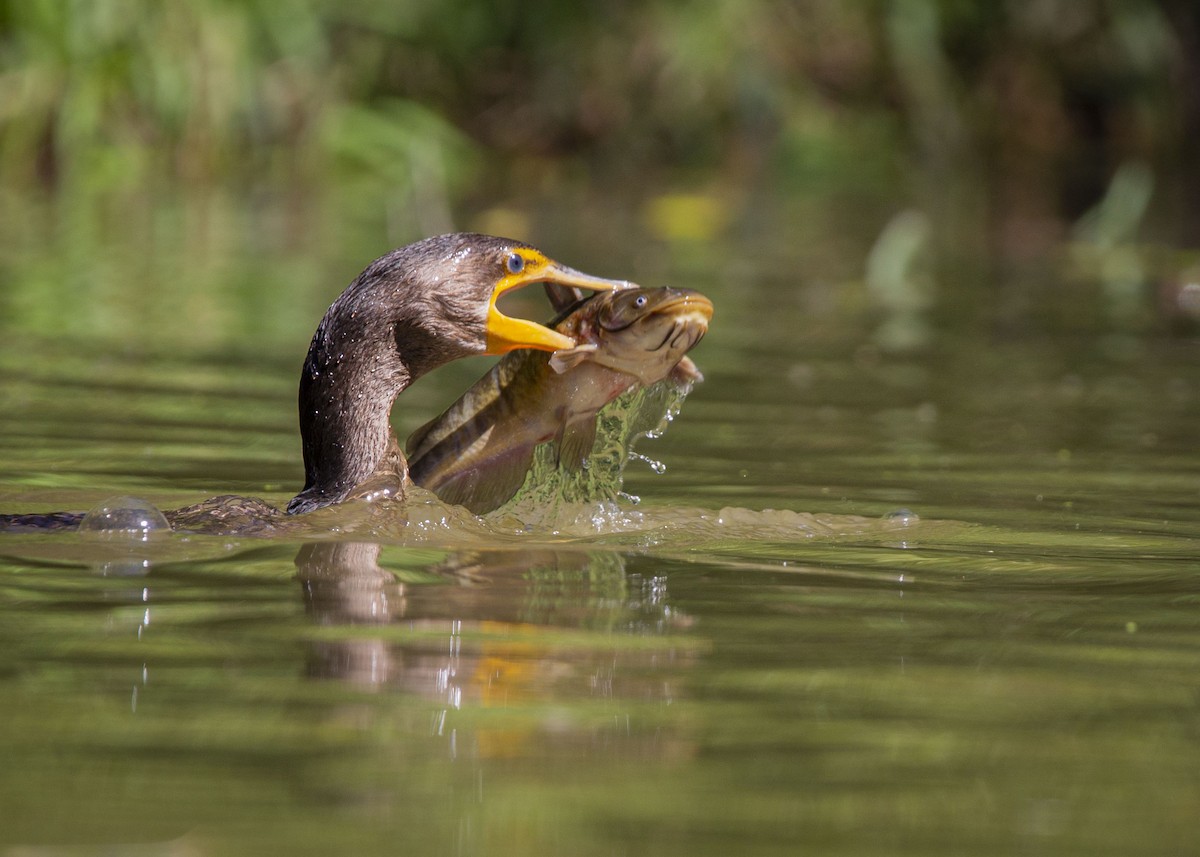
x=516, y=263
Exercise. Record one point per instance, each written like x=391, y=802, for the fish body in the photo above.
x=477, y=453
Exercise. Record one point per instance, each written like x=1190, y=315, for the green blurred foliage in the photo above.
x=117, y=91
x=1010, y=128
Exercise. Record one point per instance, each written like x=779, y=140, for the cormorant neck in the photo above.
x=350, y=380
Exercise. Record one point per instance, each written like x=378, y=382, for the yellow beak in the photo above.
x=505, y=333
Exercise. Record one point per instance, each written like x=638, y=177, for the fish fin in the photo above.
x=484, y=492
x=416, y=440
x=569, y=358
x=575, y=443
x=458, y=491
x=686, y=372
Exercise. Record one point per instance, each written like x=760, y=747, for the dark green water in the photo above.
x=1016, y=672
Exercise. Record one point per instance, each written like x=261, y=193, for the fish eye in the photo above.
x=515, y=263
x=640, y=301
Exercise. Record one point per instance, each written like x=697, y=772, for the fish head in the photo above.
x=645, y=332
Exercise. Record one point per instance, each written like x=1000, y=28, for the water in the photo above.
x=940, y=600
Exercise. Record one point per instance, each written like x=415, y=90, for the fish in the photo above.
x=478, y=452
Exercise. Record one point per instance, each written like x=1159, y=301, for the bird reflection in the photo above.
x=493, y=628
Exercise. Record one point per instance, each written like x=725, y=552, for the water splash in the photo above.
x=553, y=493
x=654, y=464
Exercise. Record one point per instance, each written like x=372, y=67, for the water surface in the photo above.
x=940, y=600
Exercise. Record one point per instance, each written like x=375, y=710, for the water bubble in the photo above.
x=125, y=515
x=901, y=518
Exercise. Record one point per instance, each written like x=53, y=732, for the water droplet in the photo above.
x=656, y=466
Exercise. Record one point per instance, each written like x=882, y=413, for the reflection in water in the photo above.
x=343, y=584
x=526, y=631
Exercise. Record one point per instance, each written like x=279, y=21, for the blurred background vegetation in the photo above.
x=1000, y=139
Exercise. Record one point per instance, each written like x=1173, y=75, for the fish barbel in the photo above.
x=478, y=452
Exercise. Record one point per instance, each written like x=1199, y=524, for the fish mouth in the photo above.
x=691, y=312
x=689, y=333
x=691, y=307
x=505, y=333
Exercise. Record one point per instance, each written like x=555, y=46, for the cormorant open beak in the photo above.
x=505, y=333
